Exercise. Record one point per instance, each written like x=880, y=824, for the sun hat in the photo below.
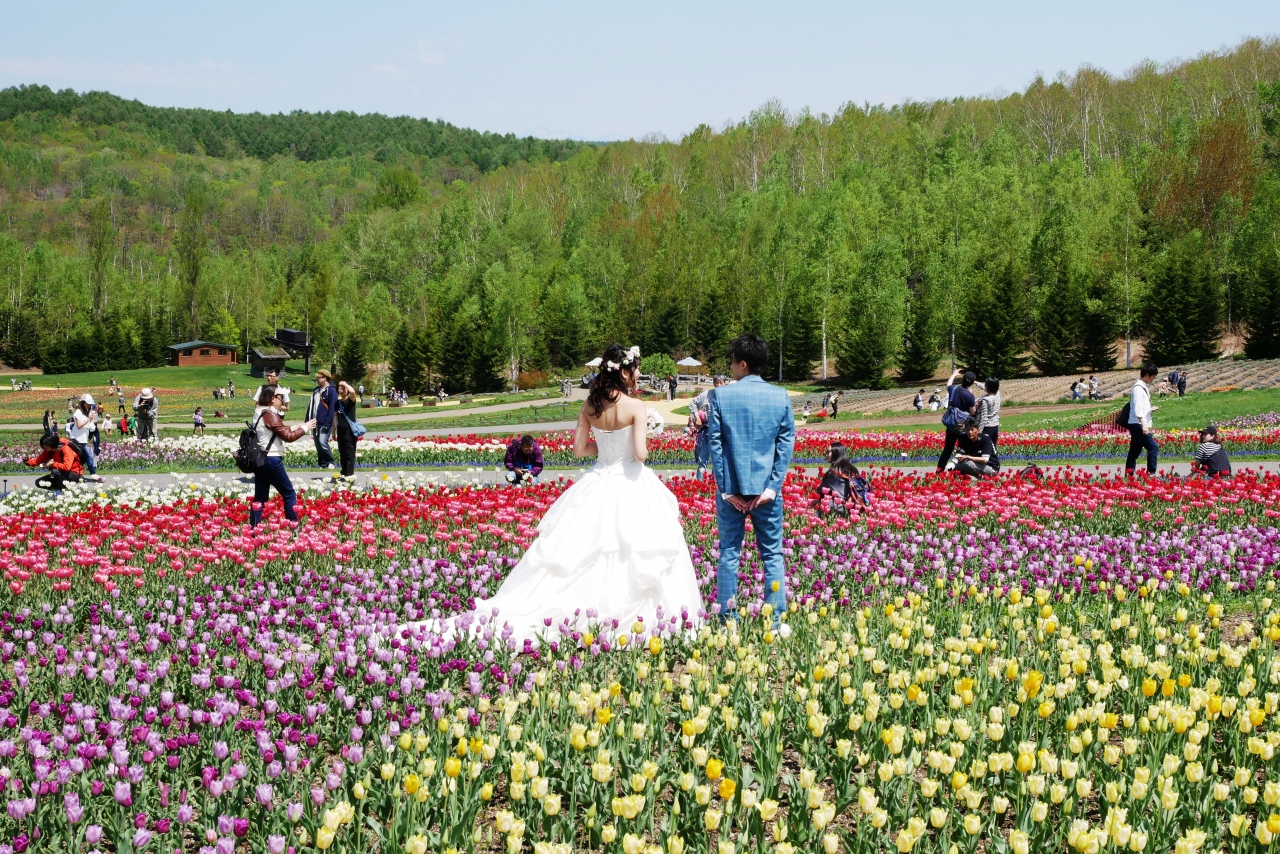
x=87, y=398
x=146, y=394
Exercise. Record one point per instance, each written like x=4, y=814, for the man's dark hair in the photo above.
x=1149, y=369
x=49, y=441
x=969, y=424
x=526, y=441
x=752, y=349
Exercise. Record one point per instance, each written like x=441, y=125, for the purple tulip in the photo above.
x=124, y=794
x=141, y=837
x=93, y=834
x=240, y=827
x=264, y=794
x=225, y=824
x=226, y=846
x=185, y=814
x=275, y=844
x=71, y=803
x=293, y=811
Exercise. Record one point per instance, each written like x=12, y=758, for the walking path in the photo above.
x=486, y=477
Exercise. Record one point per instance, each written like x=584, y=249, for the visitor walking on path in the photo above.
x=960, y=405
x=1182, y=382
x=835, y=405
x=346, y=414
x=672, y=385
x=918, y=403
x=1139, y=422
x=272, y=434
x=197, y=422
x=989, y=410
x=324, y=402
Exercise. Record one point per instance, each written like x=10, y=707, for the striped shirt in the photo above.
x=989, y=411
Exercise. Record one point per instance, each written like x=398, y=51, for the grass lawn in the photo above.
x=549, y=413
x=1195, y=410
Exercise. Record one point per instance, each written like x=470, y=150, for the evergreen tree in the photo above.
x=486, y=360
x=455, y=355
x=1099, y=327
x=920, y=350
x=711, y=325
x=352, y=366
x=408, y=367
x=1055, y=280
x=1263, y=289
x=53, y=356
x=1185, y=311
x=992, y=340
x=867, y=346
x=23, y=348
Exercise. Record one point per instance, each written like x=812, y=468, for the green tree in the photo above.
x=992, y=339
x=352, y=364
x=408, y=365
x=920, y=339
x=1184, y=314
x=1055, y=279
x=192, y=246
x=102, y=245
x=397, y=188
x=868, y=347
x=223, y=329
x=1262, y=284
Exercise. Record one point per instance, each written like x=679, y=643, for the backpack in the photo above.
x=251, y=456
x=80, y=450
x=953, y=417
x=1122, y=417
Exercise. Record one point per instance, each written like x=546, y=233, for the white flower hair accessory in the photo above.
x=633, y=355
x=613, y=366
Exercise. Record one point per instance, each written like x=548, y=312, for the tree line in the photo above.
x=1040, y=230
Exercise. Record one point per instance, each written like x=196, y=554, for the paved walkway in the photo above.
x=364, y=477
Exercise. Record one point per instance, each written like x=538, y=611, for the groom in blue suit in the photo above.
x=752, y=433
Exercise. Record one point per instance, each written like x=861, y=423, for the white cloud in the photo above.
x=61, y=71
x=387, y=71
x=430, y=57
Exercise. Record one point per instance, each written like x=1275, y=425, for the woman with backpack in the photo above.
x=61, y=459
x=960, y=405
x=271, y=435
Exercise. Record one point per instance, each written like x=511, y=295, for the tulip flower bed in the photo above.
x=1076, y=663
x=671, y=449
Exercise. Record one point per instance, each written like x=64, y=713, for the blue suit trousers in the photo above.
x=767, y=521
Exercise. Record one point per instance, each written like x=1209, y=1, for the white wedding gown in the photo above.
x=610, y=548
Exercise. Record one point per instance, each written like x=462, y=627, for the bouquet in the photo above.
x=653, y=422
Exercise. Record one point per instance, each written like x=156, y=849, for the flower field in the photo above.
x=1067, y=664
x=671, y=449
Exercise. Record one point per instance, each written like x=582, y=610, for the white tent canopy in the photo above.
x=594, y=363
x=689, y=362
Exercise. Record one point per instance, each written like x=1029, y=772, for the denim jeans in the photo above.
x=1138, y=440
x=702, y=451
x=273, y=474
x=767, y=520
x=324, y=454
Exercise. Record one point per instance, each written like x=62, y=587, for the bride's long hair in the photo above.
x=610, y=381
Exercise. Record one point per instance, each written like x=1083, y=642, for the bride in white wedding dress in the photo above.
x=611, y=547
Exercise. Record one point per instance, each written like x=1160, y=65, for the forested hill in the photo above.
x=1028, y=231
x=307, y=136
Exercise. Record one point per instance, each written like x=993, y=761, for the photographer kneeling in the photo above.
x=61, y=458
x=977, y=454
x=524, y=460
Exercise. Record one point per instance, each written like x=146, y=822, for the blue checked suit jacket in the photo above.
x=752, y=434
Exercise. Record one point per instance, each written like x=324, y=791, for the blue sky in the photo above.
x=592, y=70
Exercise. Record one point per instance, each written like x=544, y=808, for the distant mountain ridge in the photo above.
x=307, y=136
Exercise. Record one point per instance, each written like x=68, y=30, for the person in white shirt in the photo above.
x=84, y=420
x=1140, y=410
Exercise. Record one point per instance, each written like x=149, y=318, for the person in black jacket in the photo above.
x=345, y=414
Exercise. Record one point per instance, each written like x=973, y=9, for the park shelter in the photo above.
x=201, y=353
x=261, y=361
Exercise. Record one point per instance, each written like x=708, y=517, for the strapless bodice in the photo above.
x=614, y=446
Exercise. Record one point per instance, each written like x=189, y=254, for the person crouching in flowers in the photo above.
x=272, y=434
x=1211, y=457
x=61, y=459
x=841, y=484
